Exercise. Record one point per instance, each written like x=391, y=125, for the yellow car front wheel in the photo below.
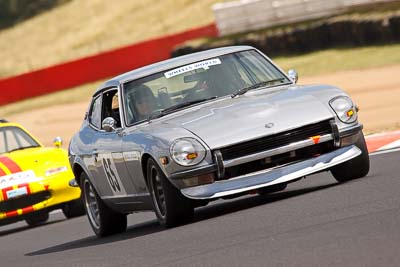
x=73, y=208
x=37, y=218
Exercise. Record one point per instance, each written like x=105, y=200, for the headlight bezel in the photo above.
x=198, y=151
x=345, y=113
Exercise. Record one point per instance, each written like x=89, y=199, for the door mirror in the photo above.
x=293, y=75
x=109, y=124
x=57, y=142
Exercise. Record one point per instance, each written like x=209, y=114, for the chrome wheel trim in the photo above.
x=91, y=204
x=158, y=192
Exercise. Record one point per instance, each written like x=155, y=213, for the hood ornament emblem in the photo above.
x=269, y=125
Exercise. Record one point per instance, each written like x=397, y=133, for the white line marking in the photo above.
x=381, y=134
x=384, y=151
x=391, y=145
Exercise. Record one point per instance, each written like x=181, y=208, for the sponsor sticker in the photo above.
x=17, y=192
x=198, y=65
x=18, y=178
x=131, y=155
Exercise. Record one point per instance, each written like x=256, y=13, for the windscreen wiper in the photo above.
x=255, y=86
x=163, y=112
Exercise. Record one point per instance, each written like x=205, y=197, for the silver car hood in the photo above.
x=232, y=120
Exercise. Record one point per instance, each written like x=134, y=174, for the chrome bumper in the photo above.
x=269, y=177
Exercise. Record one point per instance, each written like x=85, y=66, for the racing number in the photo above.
x=112, y=178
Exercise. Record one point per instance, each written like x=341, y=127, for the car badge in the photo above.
x=269, y=125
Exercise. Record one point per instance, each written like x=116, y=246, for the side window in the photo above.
x=95, y=112
x=111, y=106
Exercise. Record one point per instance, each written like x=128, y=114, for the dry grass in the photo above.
x=328, y=61
x=81, y=27
x=335, y=59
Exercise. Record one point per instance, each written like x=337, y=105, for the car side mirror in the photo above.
x=57, y=142
x=109, y=124
x=293, y=75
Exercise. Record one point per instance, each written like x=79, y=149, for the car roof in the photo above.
x=170, y=64
x=4, y=122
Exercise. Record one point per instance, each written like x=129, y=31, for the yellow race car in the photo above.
x=34, y=179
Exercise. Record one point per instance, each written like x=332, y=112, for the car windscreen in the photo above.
x=191, y=83
x=14, y=138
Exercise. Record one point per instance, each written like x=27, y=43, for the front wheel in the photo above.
x=104, y=221
x=37, y=218
x=354, y=168
x=73, y=208
x=170, y=206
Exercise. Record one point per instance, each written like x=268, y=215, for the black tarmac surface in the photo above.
x=314, y=222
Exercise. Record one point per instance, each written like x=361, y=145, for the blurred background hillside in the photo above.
x=363, y=61
x=70, y=29
x=13, y=12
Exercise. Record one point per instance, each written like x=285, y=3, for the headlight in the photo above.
x=344, y=109
x=187, y=151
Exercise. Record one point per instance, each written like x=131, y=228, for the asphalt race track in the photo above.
x=314, y=222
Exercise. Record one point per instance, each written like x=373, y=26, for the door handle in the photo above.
x=95, y=154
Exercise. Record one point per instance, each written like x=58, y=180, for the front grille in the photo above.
x=280, y=160
x=276, y=140
x=23, y=201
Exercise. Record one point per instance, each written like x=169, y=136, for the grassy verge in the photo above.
x=334, y=60
x=316, y=63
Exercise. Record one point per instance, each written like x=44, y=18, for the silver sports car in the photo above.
x=177, y=134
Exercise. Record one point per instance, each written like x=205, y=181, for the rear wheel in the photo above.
x=354, y=168
x=37, y=218
x=170, y=206
x=104, y=221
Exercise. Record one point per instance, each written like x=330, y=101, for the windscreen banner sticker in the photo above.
x=198, y=65
x=112, y=176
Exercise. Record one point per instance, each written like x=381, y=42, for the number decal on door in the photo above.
x=112, y=178
x=111, y=173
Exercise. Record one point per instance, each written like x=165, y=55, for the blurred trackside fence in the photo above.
x=96, y=67
x=246, y=15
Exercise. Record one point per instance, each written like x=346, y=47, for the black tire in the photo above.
x=170, y=206
x=354, y=168
x=271, y=189
x=104, y=221
x=37, y=219
x=74, y=208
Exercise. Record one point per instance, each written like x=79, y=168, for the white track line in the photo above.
x=391, y=145
x=384, y=151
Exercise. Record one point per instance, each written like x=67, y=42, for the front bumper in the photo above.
x=343, y=137
x=270, y=177
x=39, y=195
